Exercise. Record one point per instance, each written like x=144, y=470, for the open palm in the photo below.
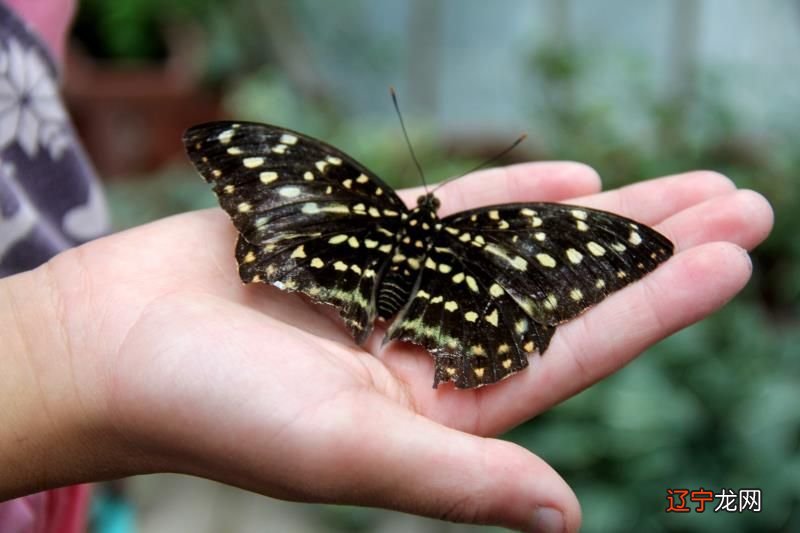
x=197, y=373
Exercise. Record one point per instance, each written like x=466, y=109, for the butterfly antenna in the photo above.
x=486, y=163
x=408, y=142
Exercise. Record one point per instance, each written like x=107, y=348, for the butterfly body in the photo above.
x=481, y=289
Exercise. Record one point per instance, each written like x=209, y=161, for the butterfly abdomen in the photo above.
x=408, y=259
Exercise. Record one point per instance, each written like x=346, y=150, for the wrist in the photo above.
x=52, y=428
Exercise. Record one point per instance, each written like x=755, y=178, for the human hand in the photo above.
x=176, y=366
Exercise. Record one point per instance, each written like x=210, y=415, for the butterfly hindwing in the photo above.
x=475, y=330
x=309, y=217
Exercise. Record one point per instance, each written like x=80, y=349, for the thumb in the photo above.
x=415, y=465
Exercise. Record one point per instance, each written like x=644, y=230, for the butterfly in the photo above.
x=481, y=290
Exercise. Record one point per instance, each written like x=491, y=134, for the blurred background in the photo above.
x=634, y=89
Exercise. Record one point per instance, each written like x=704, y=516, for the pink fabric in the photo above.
x=49, y=18
x=55, y=511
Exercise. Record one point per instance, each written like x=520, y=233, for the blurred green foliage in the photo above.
x=714, y=406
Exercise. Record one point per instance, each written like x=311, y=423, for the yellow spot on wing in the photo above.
x=546, y=260
x=595, y=248
x=287, y=138
x=579, y=214
x=471, y=316
x=317, y=263
x=528, y=346
x=496, y=290
x=635, y=239
x=581, y=225
x=340, y=265
x=472, y=284
x=244, y=207
x=576, y=295
x=574, y=256
x=450, y=305
x=479, y=372
x=551, y=302
x=353, y=242
x=268, y=177
x=337, y=239
x=492, y=317
x=299, y=252
x=507, y=364
x=235, y=150
x=249, y=257
x=253, y=162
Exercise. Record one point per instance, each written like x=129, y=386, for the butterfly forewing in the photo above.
x=556, y=260
x=309, y=217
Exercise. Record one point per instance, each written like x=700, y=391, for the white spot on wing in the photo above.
x=290, y=192
x=225, y=137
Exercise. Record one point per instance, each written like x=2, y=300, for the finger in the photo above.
x=744, y=218
x=428, y=469
x=547, y=181
x=690, y=286
x=652, y=201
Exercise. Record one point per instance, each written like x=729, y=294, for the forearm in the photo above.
x=48, y=436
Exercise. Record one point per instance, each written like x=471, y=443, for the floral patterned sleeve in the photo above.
x=50, y=199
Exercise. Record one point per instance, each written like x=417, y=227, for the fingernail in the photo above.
x=547, y=520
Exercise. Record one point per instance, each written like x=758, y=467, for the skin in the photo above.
x=143, y=352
